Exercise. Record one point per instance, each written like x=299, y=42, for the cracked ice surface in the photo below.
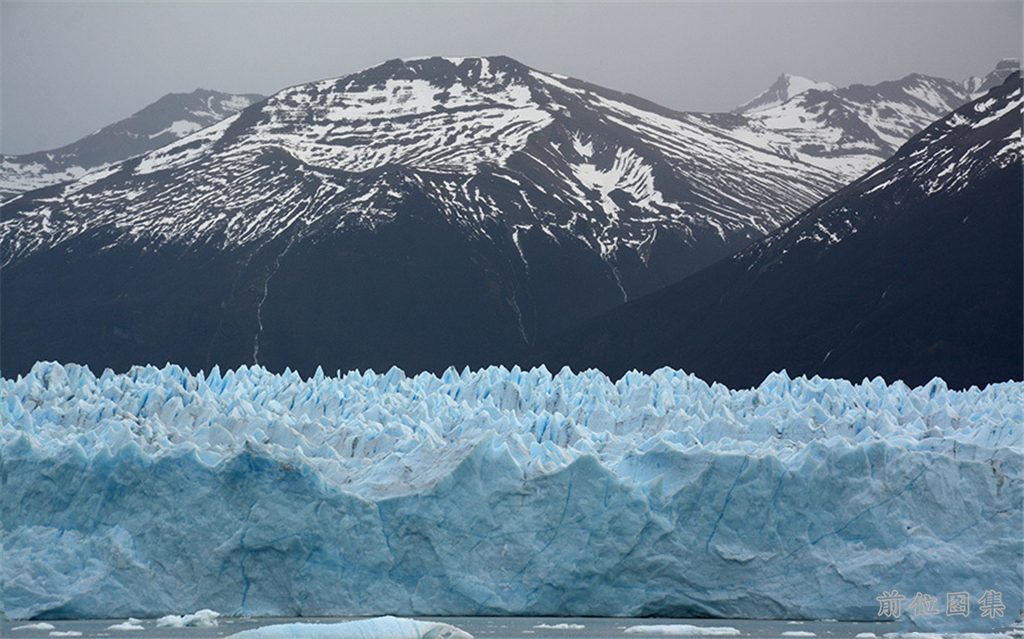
x=501, y=492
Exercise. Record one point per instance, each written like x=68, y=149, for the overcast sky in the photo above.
x=70, y=68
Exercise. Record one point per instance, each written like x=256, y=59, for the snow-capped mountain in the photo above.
x=910, y=272
x=640, y=168
x=848, y=131
x=170, y=118
x=785, y=88
x=421, y=212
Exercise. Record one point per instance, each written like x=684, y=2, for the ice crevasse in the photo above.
x=504, y=492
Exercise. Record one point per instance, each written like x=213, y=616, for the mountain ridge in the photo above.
x=910, y=272
x=455, y=208
x=173, y=116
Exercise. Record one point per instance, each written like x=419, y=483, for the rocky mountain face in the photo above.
x=425, y=213
x=168, y=119
x=911, y=272
x=420, y=213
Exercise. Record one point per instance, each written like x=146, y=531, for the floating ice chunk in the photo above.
x=866, y=635
x=205, y=618
x=562, y=626
x=126, y=625
x=798, y=633
x=42, y=625
x=377, y=628
x=65, y=633
x=680, y=629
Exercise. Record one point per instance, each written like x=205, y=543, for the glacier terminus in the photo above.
x=503, y=492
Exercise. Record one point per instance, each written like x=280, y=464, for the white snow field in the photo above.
x=504, y=492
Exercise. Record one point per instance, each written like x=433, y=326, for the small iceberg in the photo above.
x=680, y=629
x=377, y=628
x=204, y=618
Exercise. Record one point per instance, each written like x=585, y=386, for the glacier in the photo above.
x=504, y=492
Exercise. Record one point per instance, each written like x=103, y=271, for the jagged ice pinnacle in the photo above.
x=501, y=492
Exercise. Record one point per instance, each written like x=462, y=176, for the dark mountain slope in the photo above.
x=912, y=272
x=421, y=213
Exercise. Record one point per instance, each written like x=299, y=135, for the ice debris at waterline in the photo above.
x=205, y=618
x=387, y=627
x=681, y=629
x=503, y=492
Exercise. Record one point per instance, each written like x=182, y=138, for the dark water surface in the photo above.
x=479, y=627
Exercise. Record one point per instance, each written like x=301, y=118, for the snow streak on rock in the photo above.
x=947, y=157
x=356, y=147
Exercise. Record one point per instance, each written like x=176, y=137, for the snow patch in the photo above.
x=179, y=129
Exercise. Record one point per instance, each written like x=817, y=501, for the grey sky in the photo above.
x=70, y=68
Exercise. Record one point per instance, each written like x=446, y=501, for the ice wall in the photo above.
x=504, y=492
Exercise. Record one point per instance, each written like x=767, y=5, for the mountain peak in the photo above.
x=441, y=72
x=1008, y=64
x=977, y=86
x=785, y=87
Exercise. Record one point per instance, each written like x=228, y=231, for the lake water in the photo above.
x=479, y=627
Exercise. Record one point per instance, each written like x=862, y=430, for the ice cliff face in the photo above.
x=502, y=492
